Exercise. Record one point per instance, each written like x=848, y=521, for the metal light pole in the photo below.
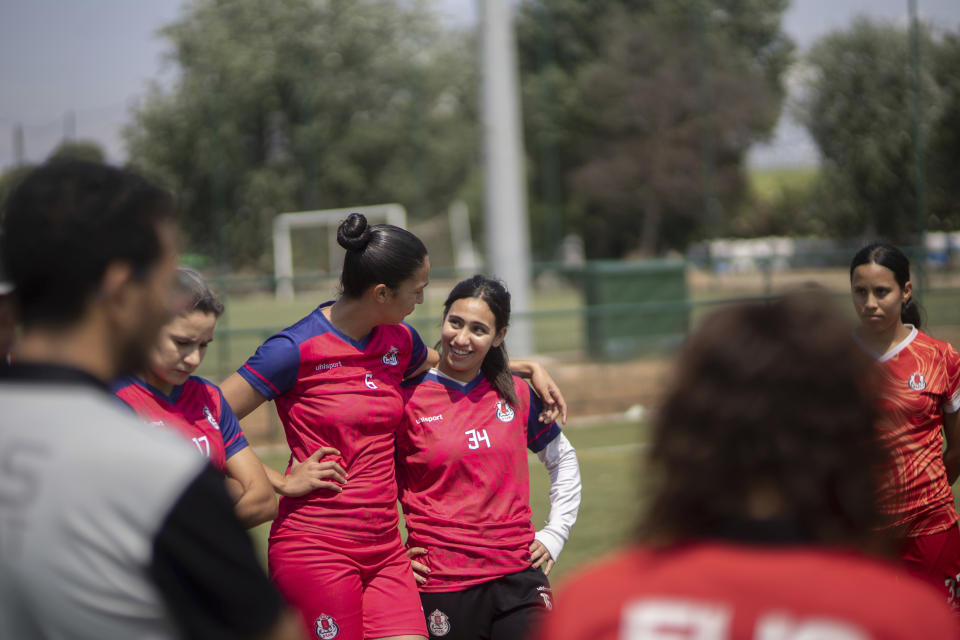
x=918, y=147
x=507, y=227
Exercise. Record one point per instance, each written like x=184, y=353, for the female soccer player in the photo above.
x=335, y=375
x=167, y=394
x=761, y=498
x=463, y=476
x=920, y=408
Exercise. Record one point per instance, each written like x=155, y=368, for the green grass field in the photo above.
x=610, y=456
x=767, y=185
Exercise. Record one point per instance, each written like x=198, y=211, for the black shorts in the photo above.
x=507, y=608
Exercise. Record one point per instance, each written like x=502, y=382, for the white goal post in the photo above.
x=284, y=223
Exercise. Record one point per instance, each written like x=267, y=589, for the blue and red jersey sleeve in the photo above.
x=274, y=368
x=539, y=435
x=233, y=438
x=418, y=351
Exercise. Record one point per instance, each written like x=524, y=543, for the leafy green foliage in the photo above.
x=859, y=111
x=622, y=99
x=944, y=141
x=305, y=104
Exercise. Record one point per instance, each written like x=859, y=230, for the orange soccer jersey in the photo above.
x=922, y=377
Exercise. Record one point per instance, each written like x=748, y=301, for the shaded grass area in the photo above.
x=610, y=457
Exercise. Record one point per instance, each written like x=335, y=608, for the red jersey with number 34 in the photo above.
x=922, y=377
x=464, y=480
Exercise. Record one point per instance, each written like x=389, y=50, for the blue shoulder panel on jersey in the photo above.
x=121, y=383
x=230, y=431
x=418, y=353
x=464, y=388
x=539, y=435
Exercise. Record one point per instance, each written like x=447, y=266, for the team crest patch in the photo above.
x=439, y=623
x=390, y=357
x=504, y=411
x=213, y=421
x=917, y=381
x=326, y=627
x=545, y=595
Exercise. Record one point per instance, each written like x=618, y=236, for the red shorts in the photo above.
x=347, y=590
x=935, y=558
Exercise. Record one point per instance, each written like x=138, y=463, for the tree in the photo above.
x=859, y=111
x=944, y=140
x=79, y=150
x=305, y=104
x=620, y=99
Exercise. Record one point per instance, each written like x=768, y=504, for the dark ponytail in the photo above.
x=887, y=255
x=378, y=254
x=496, y=365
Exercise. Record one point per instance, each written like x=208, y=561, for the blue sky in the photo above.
x=97, y=57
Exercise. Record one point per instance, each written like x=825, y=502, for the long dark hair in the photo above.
x=496, y=364
x=887, y=255
x=773, y=401
x=378, y=254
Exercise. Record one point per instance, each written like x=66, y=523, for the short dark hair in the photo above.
x=496, y=364
x=65, y=222
x=197, y=292
x=378, y=254
x=769, y=397
x=889, y=256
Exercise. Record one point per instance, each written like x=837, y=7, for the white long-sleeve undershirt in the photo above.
x=560, y=460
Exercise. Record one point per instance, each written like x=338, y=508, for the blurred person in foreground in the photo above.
x=762, y=517
x=107, y=529
x=8, y=316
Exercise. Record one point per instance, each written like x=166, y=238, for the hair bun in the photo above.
x=353, y=234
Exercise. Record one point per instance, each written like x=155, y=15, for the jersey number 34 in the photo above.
x=476, y=437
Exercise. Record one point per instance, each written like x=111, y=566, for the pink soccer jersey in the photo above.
x=463, y=477
x=733, y=592
x=196, y=409
x=922, y=377
x=333, y=391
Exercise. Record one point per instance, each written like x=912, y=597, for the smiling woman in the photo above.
x=464, y=480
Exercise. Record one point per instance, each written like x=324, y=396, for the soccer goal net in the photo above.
x=285, y=223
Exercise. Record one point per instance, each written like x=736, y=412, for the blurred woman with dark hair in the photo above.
x=764, y=461
x=920, y=424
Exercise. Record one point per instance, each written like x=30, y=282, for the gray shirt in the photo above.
x=100, y=528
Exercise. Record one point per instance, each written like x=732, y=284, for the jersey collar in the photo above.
x=464, y=387
x=892, y=352
x=171, y=399
x=360, y=344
